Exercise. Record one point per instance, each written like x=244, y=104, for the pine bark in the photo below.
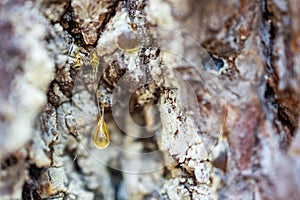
x=200, y=98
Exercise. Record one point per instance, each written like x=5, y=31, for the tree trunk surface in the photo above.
x=156, y=99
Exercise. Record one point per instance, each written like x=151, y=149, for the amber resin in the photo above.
x=101, y=138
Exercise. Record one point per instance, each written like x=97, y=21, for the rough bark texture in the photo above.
x=201, y=99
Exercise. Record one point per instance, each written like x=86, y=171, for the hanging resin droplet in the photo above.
x=101, y=138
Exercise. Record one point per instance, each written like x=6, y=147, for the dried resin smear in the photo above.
x=94, y=60
x=101, y=138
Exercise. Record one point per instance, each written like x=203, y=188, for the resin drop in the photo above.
x=101, y=138
x=128, y=40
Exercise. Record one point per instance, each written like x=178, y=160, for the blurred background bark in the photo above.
x=213, y=84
